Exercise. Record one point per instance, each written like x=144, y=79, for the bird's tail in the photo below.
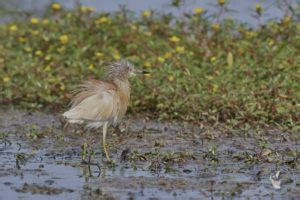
x=71, y=117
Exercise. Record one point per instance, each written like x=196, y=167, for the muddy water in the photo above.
x=153, y=160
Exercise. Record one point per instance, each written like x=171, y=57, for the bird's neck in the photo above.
x=123, y=86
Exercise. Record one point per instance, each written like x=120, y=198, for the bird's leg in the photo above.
x=144, y=125
x=104, y=141
x=65, y=127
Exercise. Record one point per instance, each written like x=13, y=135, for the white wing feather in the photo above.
x=98, y=107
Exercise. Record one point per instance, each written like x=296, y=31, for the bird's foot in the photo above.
x=108, y=160
x=110, y=163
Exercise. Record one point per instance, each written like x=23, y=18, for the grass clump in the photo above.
x=200, y=70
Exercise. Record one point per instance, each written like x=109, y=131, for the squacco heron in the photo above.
x=103, y=102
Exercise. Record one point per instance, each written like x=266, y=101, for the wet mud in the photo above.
x=152, y=160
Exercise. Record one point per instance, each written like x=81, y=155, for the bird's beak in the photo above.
x=138, y=71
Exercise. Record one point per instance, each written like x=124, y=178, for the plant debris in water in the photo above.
x=265, y=164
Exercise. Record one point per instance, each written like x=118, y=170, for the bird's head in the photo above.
x=122, y=70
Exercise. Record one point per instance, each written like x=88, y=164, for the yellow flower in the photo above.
x=99, y=54
x=117, y=56
x=198, y=10
x=34, y=20
x=209, y=77
x=221, y=2
x=35, y=32
x=6, y=79
x=47, y=58
x=103, y=20
x=56, y=6
x=174, y=39
x=147, y=75
x=45, y=22
x=213, y=59
x=271, y=42
x=216, y=27
x=146, y=13
x=28, y=49
x=91, y=66
x=62, y=87
x=258, y=8
x=47, y=68
x=38, y=53
x=168, y=55
x=161, y=59
x=22, y=39
x=215, y=87
x=84, y=9
x=13, y=28
x=180, y=49
x=250, y=34
x=170, y=78
x=64, y=39
x=147, y=64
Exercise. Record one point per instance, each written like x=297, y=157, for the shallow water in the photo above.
x=173, y=162
x=242, y=10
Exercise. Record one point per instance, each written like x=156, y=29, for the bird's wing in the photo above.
x=100, y=103
x=88, y=88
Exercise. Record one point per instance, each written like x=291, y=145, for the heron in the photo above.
x=101, y=103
